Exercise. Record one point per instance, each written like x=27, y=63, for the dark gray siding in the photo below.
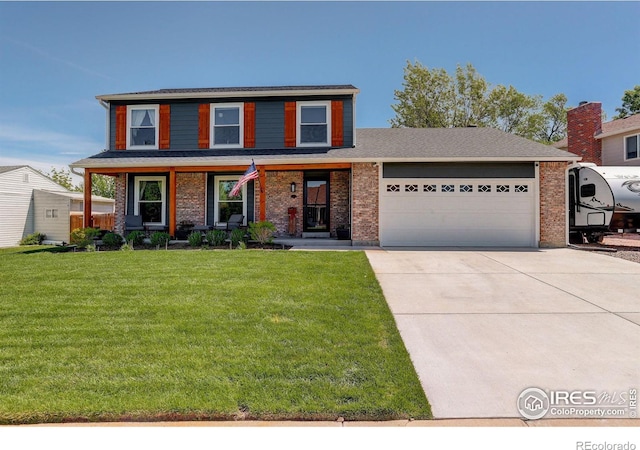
x=458, y=170
x=269, y=122
x=184, y=126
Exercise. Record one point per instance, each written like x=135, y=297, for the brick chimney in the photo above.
x=583, y=123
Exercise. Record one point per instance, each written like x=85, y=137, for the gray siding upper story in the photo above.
x=269, y=125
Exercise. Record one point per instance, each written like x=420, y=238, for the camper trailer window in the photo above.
x=588, y=190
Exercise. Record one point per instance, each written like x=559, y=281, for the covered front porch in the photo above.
x=301, y=200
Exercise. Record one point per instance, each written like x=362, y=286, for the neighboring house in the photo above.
x=614, y=143
x=177, y=153
x=31, y=201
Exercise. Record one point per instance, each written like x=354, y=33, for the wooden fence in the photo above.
x=103, y=221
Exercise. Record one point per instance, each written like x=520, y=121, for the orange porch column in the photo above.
x=87, y=221
x=172, y=201
x=262, y=178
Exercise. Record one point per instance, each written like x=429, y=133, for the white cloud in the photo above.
x=43, y=141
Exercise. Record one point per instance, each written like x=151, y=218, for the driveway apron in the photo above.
x=482, y=325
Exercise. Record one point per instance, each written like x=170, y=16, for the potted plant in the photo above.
x=343, y=232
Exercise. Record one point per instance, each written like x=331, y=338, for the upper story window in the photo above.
x=227, y=125
x=142, y=126
x=314, y=123
x=632, y=146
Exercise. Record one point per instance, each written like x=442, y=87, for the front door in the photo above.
x=316, y=203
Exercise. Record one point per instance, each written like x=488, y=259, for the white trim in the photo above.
x=624, y=145
x=212, y=125
x=163, y=196
x=536, y=187
x=131, y=108
x=237, y=94
x=216, y=193
x=299, y=106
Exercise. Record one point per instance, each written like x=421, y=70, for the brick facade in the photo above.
x=339, y=199
x=279, y=199
x=121, y=202
x=364, y=204
x=583, y=123
x=553, y=210
x=190, y=197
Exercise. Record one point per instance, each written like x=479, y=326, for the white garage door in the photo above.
x=457, y=212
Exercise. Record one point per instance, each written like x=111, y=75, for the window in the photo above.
x=588, y=190
x=632, y=146
x=51, y=214
x=448, y=188
x=466, y=188
x=393, y=188
x=142, y=127
x=411, y=188
x=429, y=188
x=502, y=188
x=484, y=188
x=150, y=200
x=522, y=188
x=227, y=126
x=225, y=205
x=314, y=123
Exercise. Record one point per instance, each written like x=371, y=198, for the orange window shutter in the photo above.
x=204, y=111
x=249, y=125
x=165, y=126
x=121, y=127
x=337, y=123
x=290, y=124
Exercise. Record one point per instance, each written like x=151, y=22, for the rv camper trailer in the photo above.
x=603, y=200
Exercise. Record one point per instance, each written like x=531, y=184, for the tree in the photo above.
x=102, y=185
x=630, y=103
x=554, y=115
x=432, y=98
x=63, y=178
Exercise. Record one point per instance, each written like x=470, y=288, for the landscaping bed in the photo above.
x=198, y=335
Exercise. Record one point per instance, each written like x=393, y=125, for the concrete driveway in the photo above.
x=482, y=325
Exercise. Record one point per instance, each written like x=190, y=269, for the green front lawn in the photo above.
x=151, y=335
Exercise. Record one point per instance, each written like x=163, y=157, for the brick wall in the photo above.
x=364, y=204
x=553, y=210
x=121, y=202
x=583, y=122
x=279, y=199
x=190, y=197
x=339, y=199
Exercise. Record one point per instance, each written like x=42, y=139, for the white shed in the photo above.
x=31, y=201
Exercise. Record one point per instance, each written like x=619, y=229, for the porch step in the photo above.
x=316, y=235
x=314, y=242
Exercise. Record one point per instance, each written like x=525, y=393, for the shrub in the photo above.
x=159, y=238
x=195, y=239
x=112, y=240
x=136, y=237
x=83, y=236
x=237, y=236
x=262, y=231
x=216, y=238
x=33, y=239
x=126, y=247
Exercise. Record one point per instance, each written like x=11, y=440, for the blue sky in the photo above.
x=55, y=57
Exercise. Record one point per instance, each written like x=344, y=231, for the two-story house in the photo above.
x=613, y=143
x=176, y=154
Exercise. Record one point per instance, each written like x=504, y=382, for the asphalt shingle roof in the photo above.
x=373, y=144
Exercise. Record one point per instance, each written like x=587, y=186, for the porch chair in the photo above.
x=235, y=221
x=132, y=223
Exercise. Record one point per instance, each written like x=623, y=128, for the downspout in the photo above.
x=353, y=120
x=107, y=106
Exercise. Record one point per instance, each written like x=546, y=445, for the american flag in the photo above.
x=250, y=174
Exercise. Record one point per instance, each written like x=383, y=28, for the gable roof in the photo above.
x=619, y=126
x=4, y=169
x=373, y=145
x=221, y=92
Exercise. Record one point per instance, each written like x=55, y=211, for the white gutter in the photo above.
x=214, y=161
x=216, y=94
x=107, y=106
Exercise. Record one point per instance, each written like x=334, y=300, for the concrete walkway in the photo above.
x=482, y=325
